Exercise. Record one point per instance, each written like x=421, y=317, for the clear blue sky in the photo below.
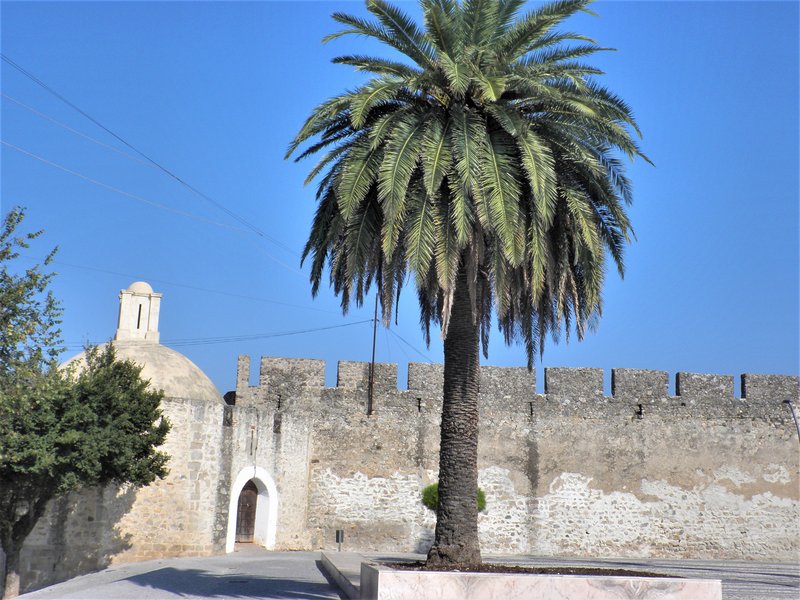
x=215, y=91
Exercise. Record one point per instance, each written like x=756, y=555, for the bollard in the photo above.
x=340, y=538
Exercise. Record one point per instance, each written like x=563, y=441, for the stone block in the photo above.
x=291, y=373
x=242, y=374
x=699, y=386
x=574, y=383
x=355, y=376
x=641, y=384
x=400, y=403
x=426, y=378
x=770, y=388
x=504, y=383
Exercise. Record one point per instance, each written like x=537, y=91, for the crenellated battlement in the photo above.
x=288, y=377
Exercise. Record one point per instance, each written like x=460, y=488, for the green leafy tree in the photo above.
x=60, y=430
x=485, y=168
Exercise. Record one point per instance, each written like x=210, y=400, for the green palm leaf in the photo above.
x=437, y=156
x=500, y=184
x=421, y=239
x=487, y=149
x=399, y=161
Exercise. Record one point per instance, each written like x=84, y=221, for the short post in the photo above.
x=340, y=538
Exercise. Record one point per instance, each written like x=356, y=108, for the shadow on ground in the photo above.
x=199, y=583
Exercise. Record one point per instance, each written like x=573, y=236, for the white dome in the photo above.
x=140, y=287
x=166, y=370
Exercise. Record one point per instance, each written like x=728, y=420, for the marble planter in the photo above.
x=383, y=583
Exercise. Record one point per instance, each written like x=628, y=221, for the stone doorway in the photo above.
x=252, y=509
x=246, y=513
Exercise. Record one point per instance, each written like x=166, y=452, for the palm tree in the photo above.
x=486, y=168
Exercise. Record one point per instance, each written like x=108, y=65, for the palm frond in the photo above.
x=421, y=238
x=402, y=28
x=378, y=66
x=437, y=156
x=359, y=26
x=357, y=174
x=467, y=136
x=399, y=161
x=480, y=21
x=537, y=23
x=499, y=180
x=441, y=25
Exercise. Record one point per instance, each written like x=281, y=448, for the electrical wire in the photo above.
x=78, y=133
x=181, y=342
x=147, y=201
x=119, y=191
x=158, y=165
x=397, y=335
x=181, y=285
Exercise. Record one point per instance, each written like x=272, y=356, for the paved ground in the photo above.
x=243, y=574
x=255, y=573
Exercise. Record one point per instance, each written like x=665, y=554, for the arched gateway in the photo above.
x=253, y=483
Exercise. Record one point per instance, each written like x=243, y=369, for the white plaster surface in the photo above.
x=386, y=584
x=266, y=508
x=359, y=497
x=505, y=524
x=776, y=473
x=576, y=518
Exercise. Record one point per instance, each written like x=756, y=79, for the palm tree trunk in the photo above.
x=456, y=539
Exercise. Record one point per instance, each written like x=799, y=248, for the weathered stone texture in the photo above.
x=353, y=375
x=641, y=384
x=760, y=388
x=665, y=486
x=573, y=383
x=696, y=386
x=570, y=472
x=426, y=377
x=89, y=529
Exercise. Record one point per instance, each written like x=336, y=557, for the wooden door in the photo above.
x=246, y=513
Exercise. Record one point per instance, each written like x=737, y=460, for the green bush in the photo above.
x=430, y=497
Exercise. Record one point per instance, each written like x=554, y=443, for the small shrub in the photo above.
x=430, y=497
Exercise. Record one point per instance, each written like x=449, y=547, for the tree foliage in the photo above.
x=61, y=429
x=487, y=168
x=494, y=147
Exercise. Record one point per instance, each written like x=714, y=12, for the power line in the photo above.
x=145, y=200
x=182, y=285
x=118, y=190
x=397, y=335
x=180, y=342
x=158, y=165
x=76, y=132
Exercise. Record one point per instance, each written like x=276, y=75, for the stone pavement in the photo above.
x=255, y=573
x=247, y=573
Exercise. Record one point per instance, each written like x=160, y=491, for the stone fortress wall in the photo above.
x=570, y=472
x=89, y=529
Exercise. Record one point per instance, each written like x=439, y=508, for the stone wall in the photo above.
x=90, y=529
x=568, y=472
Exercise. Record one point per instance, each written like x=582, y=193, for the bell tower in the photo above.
x=139, y=307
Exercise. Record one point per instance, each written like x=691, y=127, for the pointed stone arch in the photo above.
x=266, y=507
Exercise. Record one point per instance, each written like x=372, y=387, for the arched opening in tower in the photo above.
x=246, y=513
